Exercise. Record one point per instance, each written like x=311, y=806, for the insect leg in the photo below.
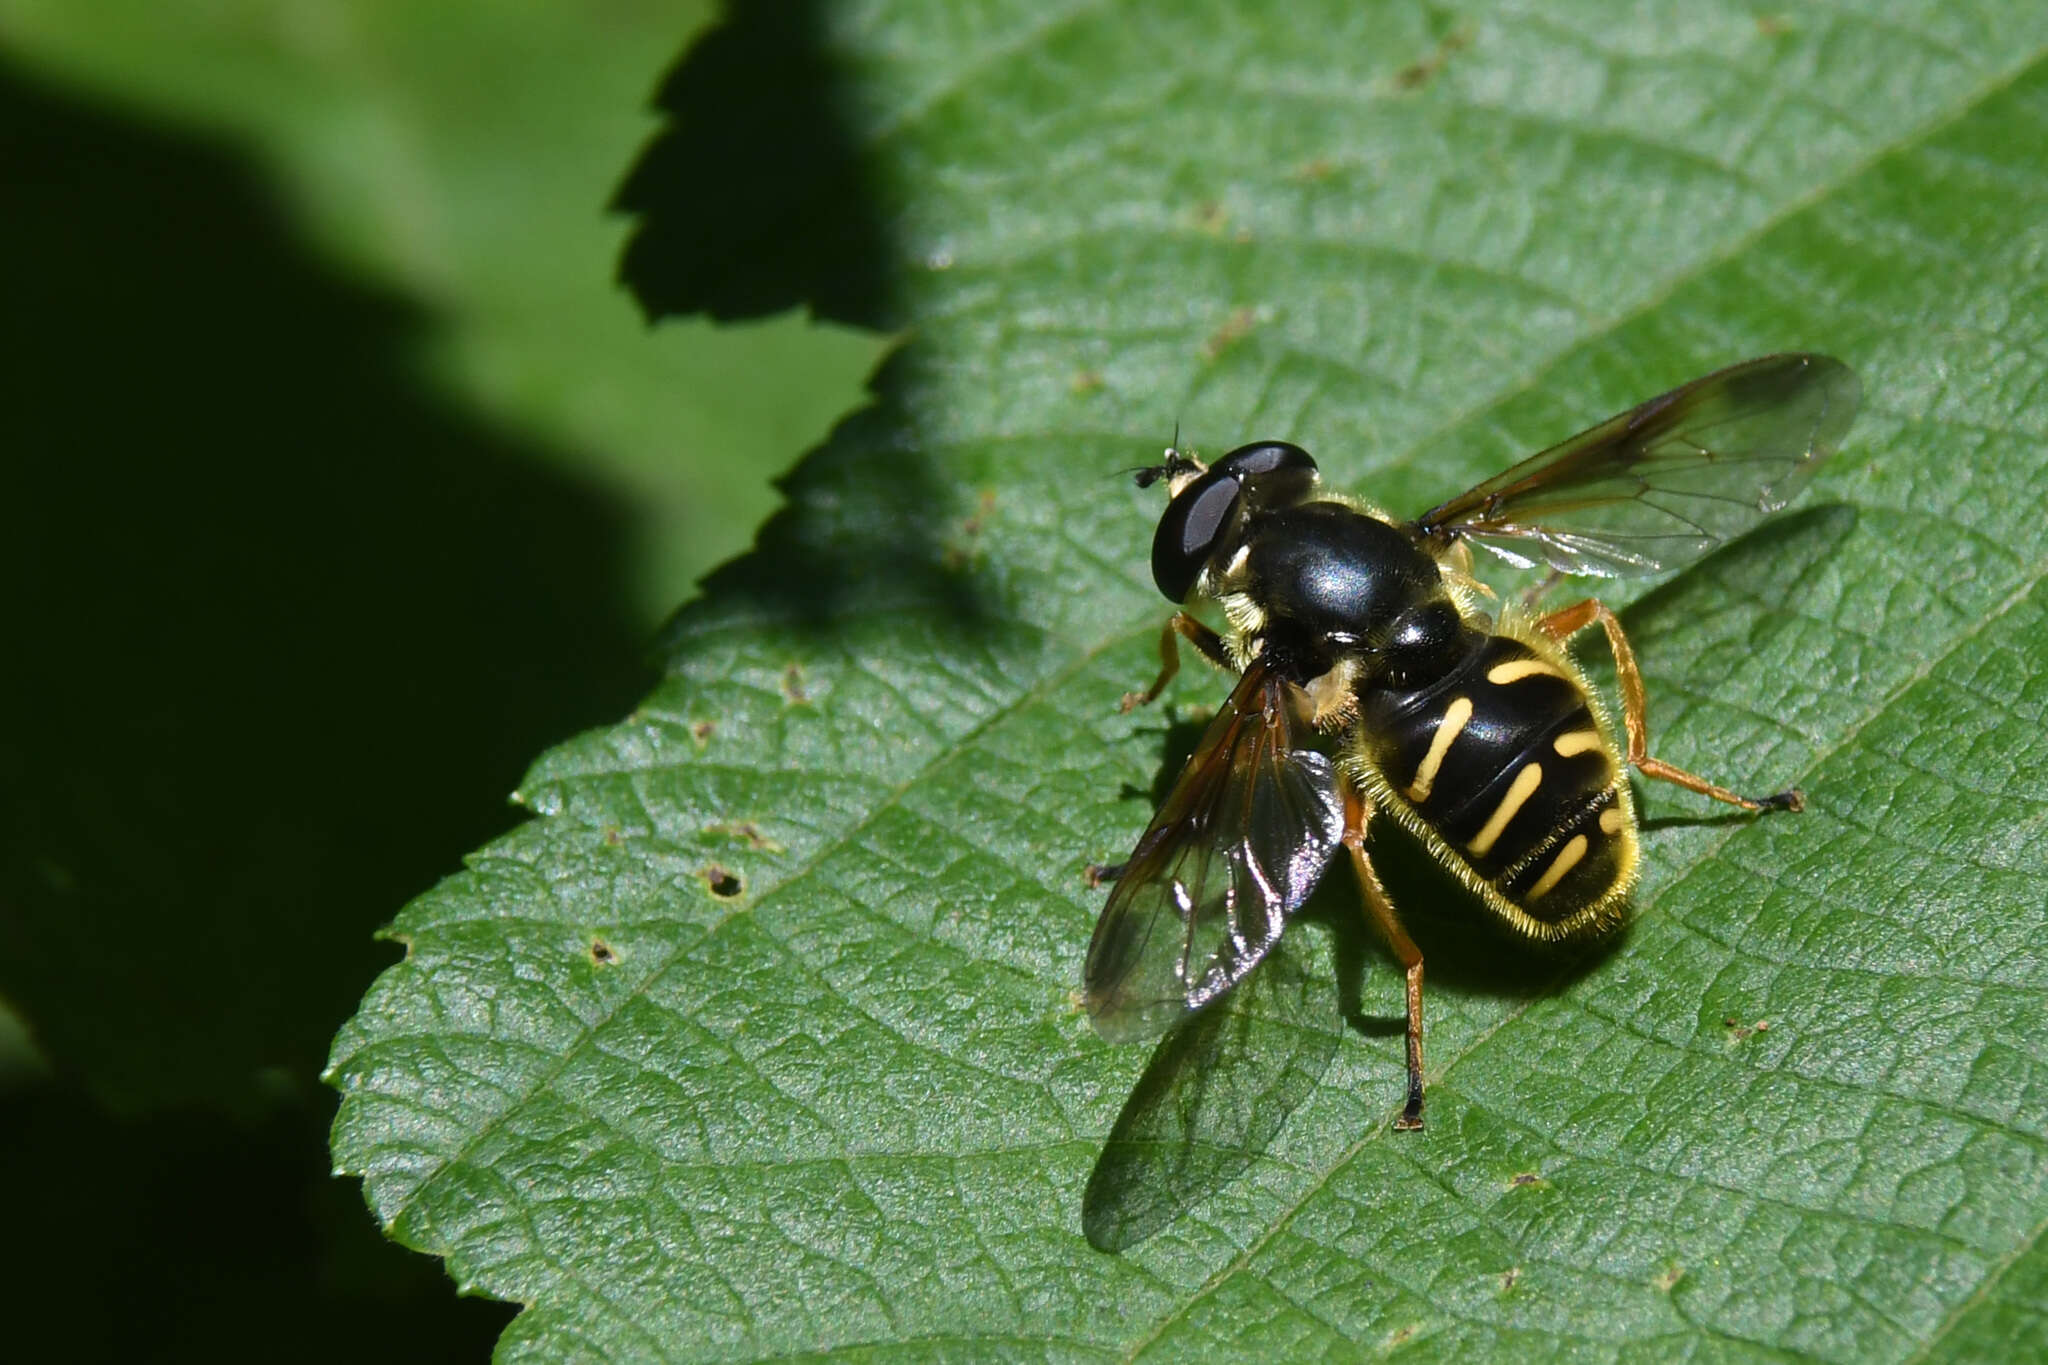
x=1562, y=625
x=1095, y=874
x=1196, y=634
x=1535, y=594
x=1380, y=911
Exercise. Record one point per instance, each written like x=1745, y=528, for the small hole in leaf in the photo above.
x=723, y=881
x=602, y=953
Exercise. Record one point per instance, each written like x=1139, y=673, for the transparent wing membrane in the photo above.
x=1665, y=482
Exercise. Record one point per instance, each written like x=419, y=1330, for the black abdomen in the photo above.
x=1503, y=758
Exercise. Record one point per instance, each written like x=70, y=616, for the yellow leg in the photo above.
x=1380, y=911
x=1562, y=625
x=1196, y=634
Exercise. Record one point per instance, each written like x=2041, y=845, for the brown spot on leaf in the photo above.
x=1508, y=1278
x=793, y=686
x=984, y=508
x=1417, y=74
x=965, y=542
x=1085, y=381
x=1526, y=1179
x=723, y=881
x=1668, y=1278
x=701, y=731
x=1234, y=329
x=747, y=831
x=611, y=836
x=601, y=953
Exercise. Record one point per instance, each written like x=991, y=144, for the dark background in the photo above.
x=294, y=595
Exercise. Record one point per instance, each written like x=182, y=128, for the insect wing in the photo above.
x=1665, y=482
x=1213, y=1097
x=1236, y=847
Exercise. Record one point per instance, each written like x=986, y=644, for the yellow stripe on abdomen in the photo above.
x=1519, y=791
x=1514, y=670
x=1455, y=717
x=1576, y=742
x=1567, y=858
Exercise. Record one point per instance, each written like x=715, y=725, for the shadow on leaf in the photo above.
x=754, y=199
x=1767, y=567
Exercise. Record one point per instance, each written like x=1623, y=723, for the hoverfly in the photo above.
x=1479, y=735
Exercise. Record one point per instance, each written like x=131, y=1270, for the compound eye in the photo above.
x=1193, y=525
x=1274, y=473
x=1267, y=457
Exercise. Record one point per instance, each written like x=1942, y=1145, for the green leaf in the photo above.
x=760, y=1039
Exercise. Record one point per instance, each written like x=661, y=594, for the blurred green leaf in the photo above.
x=759, y=1040
x=465, y=157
